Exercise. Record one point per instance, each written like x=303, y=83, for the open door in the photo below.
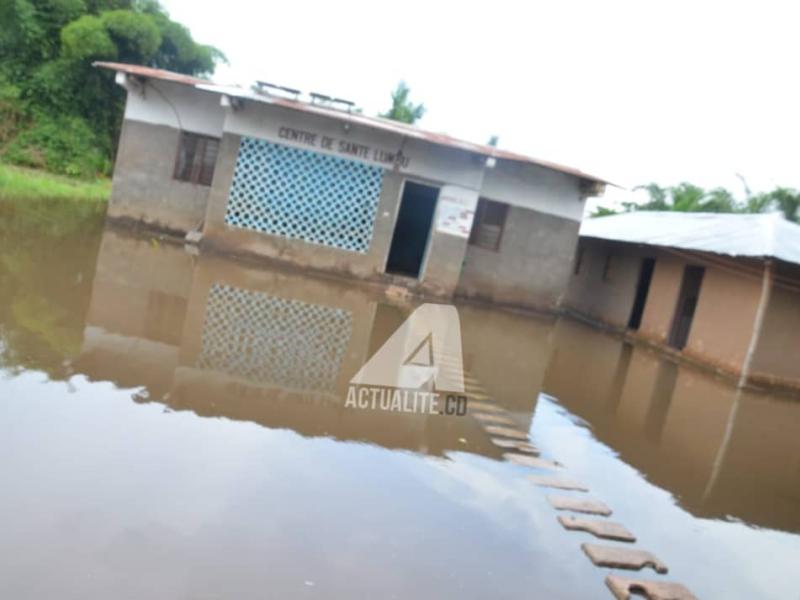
x=412, y=229
x=642, y=289
x=684, y=309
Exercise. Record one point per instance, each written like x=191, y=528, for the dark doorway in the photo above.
x=642, y=288
x=412, y=229
x=684, y=309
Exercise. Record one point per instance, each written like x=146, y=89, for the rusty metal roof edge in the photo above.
x=152, y=72
x=405, y=129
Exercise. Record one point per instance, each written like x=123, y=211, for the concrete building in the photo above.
x=323, y=187
x=722, y=289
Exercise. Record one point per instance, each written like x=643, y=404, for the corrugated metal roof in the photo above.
x=355, y=118
x=143, y=71
x=763, y=235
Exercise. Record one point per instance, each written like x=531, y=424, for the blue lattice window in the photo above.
x=305, y=195
x=274, y=341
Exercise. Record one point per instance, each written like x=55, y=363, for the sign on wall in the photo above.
x=343, y=147
x=456, y=210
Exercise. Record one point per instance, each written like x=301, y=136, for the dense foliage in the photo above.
x=59, y=113
x=687, y=197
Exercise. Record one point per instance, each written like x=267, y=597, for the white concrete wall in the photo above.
x=531, y=186
x=425, y=161
x=176, y=105
x=518, y=184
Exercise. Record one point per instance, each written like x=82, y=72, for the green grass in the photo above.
x=17, y=183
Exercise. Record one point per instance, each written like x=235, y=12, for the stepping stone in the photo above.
x=608, y=530
x=531, y=461
x=581, y=505
x=618, y=557
x=506, y=432
x=624, y=588
x=561, y=483
x=494, y=418
x=515, y=445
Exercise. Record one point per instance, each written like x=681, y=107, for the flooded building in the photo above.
x=321, y=186
x=127, y=364
x=280, y=348
x=719, y=288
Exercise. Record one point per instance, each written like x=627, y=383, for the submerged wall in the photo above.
x=144, y=189
x=530, y=268
x=776, y=355
x=314, y=148
x=296, y=251
x=608, y=299
x=724, y=317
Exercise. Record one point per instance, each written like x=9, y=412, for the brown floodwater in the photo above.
x=175, y=425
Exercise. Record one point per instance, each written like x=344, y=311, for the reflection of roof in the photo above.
x=763, y=235
x=388, y=125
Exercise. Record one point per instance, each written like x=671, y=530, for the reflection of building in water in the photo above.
x=134, y=325
x=720, y=450
x=271, y=340
x=279, y=349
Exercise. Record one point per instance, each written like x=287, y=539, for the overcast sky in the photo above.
x=630, y=91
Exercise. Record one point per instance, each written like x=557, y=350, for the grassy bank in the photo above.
x=20, y=183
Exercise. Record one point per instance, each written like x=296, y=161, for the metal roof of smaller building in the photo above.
x=405, y=129
x=759, y=236
x=143, y=71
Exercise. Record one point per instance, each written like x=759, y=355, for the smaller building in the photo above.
x=722, y=289
x=321, y=186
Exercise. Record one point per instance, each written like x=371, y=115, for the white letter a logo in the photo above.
x=425, y=349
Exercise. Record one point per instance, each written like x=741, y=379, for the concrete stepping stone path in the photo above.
x=501, y=431
x=515, y=445
x=581, y=505
x=618, y=557
x=526, y=460
x=504, y=434
x=624, y=588
x=561, y=483
x=608, y=530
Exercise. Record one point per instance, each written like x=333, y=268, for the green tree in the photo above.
x=687, y=197
x=786, y=200
x=403, y=109
x=86, y=39
x=59, y=112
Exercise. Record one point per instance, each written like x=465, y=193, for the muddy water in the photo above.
x=175, y=426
